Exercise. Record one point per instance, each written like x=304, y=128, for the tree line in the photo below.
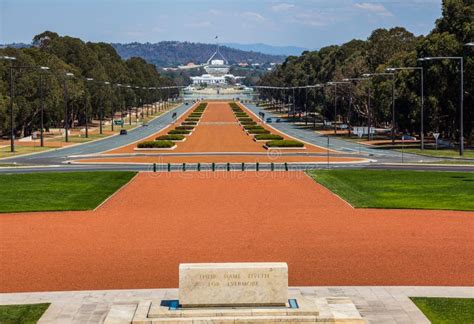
x=91, y=64
x=395, y=47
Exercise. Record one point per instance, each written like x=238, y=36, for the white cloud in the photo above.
x=374, y=8
x=199, y=24
x=253, y=16
x=282, y=7
x=215, y=12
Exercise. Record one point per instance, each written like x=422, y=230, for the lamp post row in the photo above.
x=67, y=75
x=391, y=72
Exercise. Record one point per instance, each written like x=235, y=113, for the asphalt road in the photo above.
x=381, y=155
x=60, y=155
x=381, y=159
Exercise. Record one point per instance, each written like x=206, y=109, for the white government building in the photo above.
x=217, y=71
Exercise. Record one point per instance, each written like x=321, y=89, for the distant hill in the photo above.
x=269, y=49
x=172, y=53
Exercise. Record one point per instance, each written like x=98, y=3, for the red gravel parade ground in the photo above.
x=219, y=132
x=138, y=237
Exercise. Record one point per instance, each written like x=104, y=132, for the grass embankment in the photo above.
x=20, y=150
x=59, y=190
x=25, y=314
x=400, y=189
x=446, y=310
x=442, y=153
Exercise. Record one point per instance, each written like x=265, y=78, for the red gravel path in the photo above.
x=138, y=238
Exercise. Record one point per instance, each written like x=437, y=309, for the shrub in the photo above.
x=248, y=123
x=179, y=132
x=258, y=131
x=185, y=127
x=234, y=105
x=240, y=115
x=189, y=123
x=268, y=137
x=202, y=105
x=245, y=119
x=249, y=127
x=172, y=137
x=191, y=119
x=156, y=144
x=284, y=143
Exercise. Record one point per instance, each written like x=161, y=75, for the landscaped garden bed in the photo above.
x=257, y=131
x=171, y=137
x=179, y=132
x=155, y=145
x=186, y=127
x=284, y=144
x=267, y=137
x=189, y=123
x=191, y=119
x=249, y=127
x=244, y=119
x=248, y=123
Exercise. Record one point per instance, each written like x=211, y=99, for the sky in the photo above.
x=305, y=23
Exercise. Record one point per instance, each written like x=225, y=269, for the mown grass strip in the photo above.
x=400, y=189
x=54, y=191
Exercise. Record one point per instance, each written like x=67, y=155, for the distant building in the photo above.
x=217, y=71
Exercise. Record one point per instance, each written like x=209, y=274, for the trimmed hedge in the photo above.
x=189, y=123
x=268, y=137
x=258, y=131
x=156, y=144
x=191, y=119
x=185, y=127
x=179, y=132
x=249, y=127
x=248, y=123
x=172, y=137
x=284, y=143
x=240, y=115
x=245, y=119
x=234, y=105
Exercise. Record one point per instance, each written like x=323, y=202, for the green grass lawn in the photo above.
x=19, y=150
x=468, y=154
x=24, y=314
x=446, y=310
x=400, y=189
x=58, y=190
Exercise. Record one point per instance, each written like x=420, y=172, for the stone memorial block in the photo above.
x=233, y=284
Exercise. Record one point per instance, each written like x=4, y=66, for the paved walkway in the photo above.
x=375, y=304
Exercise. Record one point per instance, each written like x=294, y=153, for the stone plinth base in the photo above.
x=310, y=310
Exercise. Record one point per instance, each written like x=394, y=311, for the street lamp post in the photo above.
x=101, y=111
x=335, y=83
x=461, y=104
x=66, y=106
x=422, y=132
x=85, y=108
x=42, y=68
x=392, y=75
x=12, y=93
x=350, y=80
